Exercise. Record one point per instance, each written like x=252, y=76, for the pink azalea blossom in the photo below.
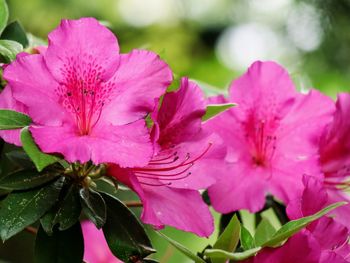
x=87, y=101
x=331, y=236
x=187, y=158
x=8, y=102
x=335, y=157
x=96, y=249
x=300, y=248
x=272, y=137
x=323, y=241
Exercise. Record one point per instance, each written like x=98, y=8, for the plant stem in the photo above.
x=31, y=230
x=133, y=203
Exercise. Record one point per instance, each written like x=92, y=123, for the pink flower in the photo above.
x=87, y=101
x=271, y=135
x=335, y=157
x=331, y=236
x=187, y=159
x=96, y=249
x=323, y=241
x=302, y=247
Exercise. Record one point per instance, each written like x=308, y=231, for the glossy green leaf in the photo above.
x=21, y=209
x=124, y=233
x=223, y=255
x=9, y=50
x=25, y=179
x=106, y=185
x=14, y=31
x=215, y=109
x=10, y=119
x=65, y=213
x=35, y=41
x=264, y=232
x=94, y=206
x=229, y=239
x=4, y=15
x=61, y=247
x=247, y=240
x=20, y=158
x=295, y=226
x=182, y=249
x=40, y=159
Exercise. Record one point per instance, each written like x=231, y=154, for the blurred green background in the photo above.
x=211, y=41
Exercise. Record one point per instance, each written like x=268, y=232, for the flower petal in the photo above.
x=266, y=85
x=33, y=85
x=179, y=117
x=181, y=208
x=163, y=205
x=140, y=80
x=126, y=145
x=305, y=204
x=7, y=101
x=96, y=249
x=243, y=188
x=82, y=44
x=336, y=234
x=301, y=247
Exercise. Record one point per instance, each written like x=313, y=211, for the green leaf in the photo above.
x=35, y=41
x=215, y=109
x=264, y=232
x=10, y=120
x=229, y=239
x=94, y=206
x=124, y=234
x=247, y=240
x=66, y=212
x=25, y=179
x=224, y=255
x=20, y=158
x=62, y=247
x=182, y=249
x=4, y=15
x=295, y=226
x=21, y=209
x=9, y=50
x=14, y=31
x=40, y=159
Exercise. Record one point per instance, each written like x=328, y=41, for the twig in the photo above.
x=31, y=230
x=133, y=203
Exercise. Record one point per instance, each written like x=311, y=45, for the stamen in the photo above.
x=168, y=179
x=83, y=92
x=165, y=184
x=166, y=158
x=179, y=165
x=165, y=175
x=261, y=139
x=180, y=171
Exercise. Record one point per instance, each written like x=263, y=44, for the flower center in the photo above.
x=83, y=92
x=167, y=167
x=262, y=142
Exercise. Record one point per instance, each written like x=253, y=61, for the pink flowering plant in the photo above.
x=83, y=125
